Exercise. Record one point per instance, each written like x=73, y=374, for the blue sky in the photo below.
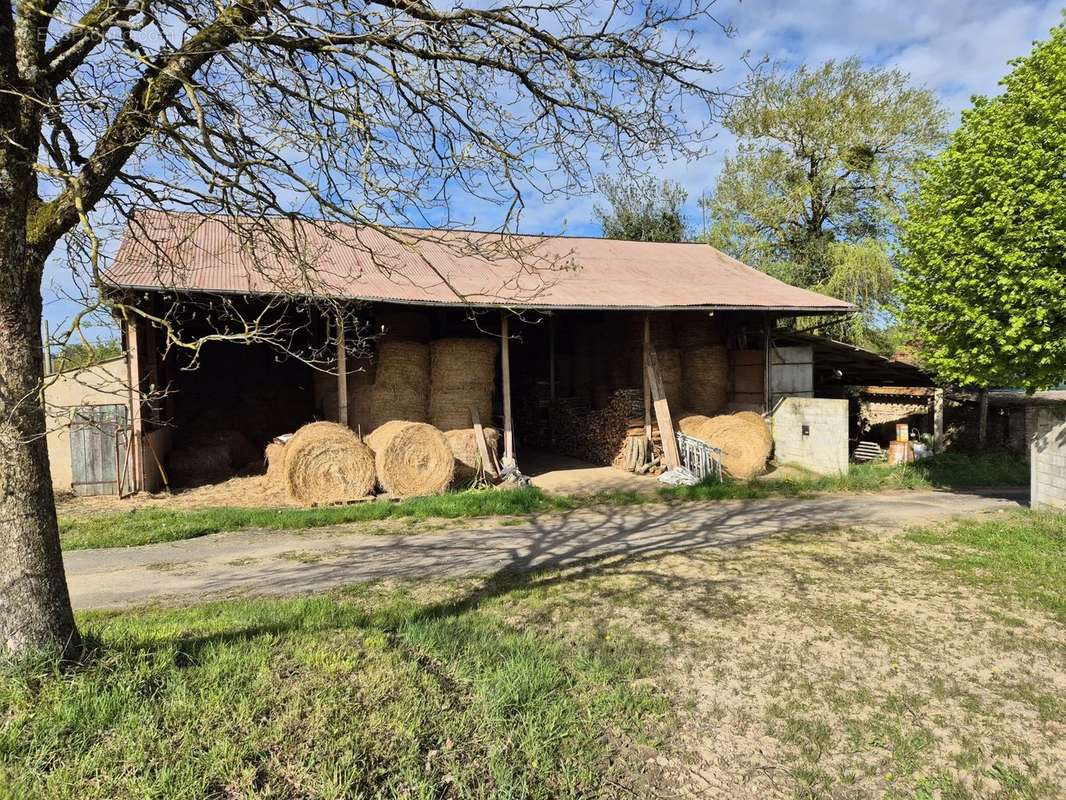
x=955, y=47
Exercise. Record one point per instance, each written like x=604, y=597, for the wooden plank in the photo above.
x=342, y=374
x=662, y=411
x=647, y=385
x=505, y=366
x=487, y=462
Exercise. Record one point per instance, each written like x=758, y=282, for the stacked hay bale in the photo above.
x=745, y=446
x=361, y=373
x=696, y=329
x=462, y=374
x=324, y=462
x=464, y=446
x=706, y=385
x=670, y=372
x=401, y=387
x=411, y=458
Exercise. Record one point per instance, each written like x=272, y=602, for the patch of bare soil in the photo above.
x=244, y=491
x=842, y=665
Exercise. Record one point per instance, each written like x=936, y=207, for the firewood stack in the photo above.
x=596, y=436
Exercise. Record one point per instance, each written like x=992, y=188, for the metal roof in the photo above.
x=857, y=366
x=200, y=253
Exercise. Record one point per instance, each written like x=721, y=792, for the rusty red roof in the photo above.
x=193, y=252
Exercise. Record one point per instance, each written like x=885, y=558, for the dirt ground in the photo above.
x=840, y=666
x=244, y=491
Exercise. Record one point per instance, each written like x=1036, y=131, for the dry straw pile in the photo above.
x=463, y=442
x=401, y=387
x=757, y=419
x=706, y=371
x=412, y=458
x=326, y=463
x=462, y=374
x=274, y=456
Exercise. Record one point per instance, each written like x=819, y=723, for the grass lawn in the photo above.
x=921, y=664
x=148, y=526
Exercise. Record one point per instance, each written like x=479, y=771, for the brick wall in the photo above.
x=811, y=433
x=1048, y=456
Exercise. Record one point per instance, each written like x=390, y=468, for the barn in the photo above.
x=250, y=329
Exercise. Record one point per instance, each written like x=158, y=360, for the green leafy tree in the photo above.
x=83, y=354
x=814, y=191
x=984, y=244
x=642, y=210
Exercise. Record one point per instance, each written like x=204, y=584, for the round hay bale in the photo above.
x=462, y=374
x=670, y=373
x=689, y=423
x=193, y=465
x=401, y=387
x=412, y=458
x=744, y=449
x=696, y=329
x=706, y=372
x=757, y=419
x=274, y=456
x=463, y=443
x=326, y=463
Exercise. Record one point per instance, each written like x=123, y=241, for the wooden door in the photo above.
x=98, y=436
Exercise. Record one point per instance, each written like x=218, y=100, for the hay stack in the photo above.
x=744, y=449
x=193, y=465
x=689, y=423
x=706, y=371
x=696, y=329
x=671, y=375
x=462, y=374
x=325, y=463
x=274, y=456
x=757, y=419
x=463, y=443
x=401, y=388
x=412, y=458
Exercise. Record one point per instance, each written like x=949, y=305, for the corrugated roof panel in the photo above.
x=189, y=252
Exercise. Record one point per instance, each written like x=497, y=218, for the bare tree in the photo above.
x=374, y=112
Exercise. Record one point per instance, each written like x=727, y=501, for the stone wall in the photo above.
x=811, y=433
x=1048, y=456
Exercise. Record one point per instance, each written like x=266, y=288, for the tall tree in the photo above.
x=372, y=112
x=814, y=189
x=642, y=209
x=984, y=243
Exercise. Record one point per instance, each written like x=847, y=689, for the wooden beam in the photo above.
x=133, y=371
x=938, y=419
x=505, y=366
x=342, y=374
x=647, y=384
x=488, y=463
x=662, y=411
x=551, y=357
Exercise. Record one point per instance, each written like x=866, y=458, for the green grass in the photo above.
x=150, y=526
x=370, y=693
x=1021, y=555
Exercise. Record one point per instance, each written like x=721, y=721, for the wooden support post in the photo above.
x=133, y=371
x=662, y=411
x=982, y=423
x=551, y=358
x=647, y=383
x=505, y=366
x=938, y=419
x=342, y=374
x=488, y=462
x=768, y=369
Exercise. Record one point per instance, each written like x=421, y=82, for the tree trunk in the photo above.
x=35, y=611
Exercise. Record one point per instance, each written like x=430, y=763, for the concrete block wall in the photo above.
x=811, y=433
x=1047, y=457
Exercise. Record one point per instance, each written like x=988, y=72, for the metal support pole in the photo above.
x=342, y=374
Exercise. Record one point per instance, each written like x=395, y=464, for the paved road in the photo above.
x=279, y=562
